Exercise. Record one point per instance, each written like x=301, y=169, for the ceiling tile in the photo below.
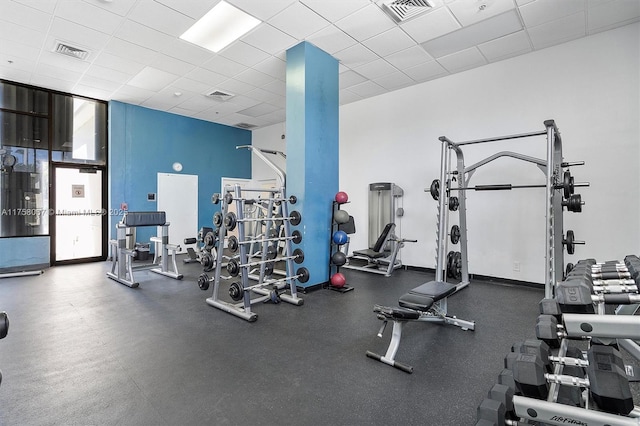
x=141, y=35
x=131, y=94
x=463, y=60
x=23, y=15
x=195, y=9
x=47, y=6
x=119, y=7
x=507, y=46
x=152, y=79
x=375, y=69
x=331, y=39
x=276, y=86
x=20, y=34
x=260, y=95
x=334, y=10
x=367, y=89
x=172, y=65
x=244, y=54
x=469, y=12
x=253, y=77
x=426, y=71
x=12, y=73
x=189, y=85
x=608, y=15
x=108, y=74
x=262, y=10
x=355, y=55
x=17, y=50
x=483, y=31
x=187, y=52
x=409, y=57
x=198, y=103
x=394, y=81
x=346, y=97
x=206, y=76
x=298, y=21
x=541, y=11
x=558, y=31
x=160, y=17
x=350, y=78
x=430, y=25
x=272, y=66
x=224, y=66
x=366, y=23
x=63, y=61
x=48, y=82
x=99, y=83
x=118, y=63
x=389, y=42
x=235, y=86
x=78, y=35
x=269, y=39
x=258, y=110
x=11, y=62
x=59, y=73
x=129, y=51
x=88, y=15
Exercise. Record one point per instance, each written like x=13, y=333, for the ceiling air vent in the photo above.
x=245, y=125
x=68, y=50
x=219, y=95
x=401, y=10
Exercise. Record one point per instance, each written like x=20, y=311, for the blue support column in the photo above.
x=312, y=151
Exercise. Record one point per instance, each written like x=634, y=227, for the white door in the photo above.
x=178, y=198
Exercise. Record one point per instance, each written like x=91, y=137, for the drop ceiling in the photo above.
x=134, y=53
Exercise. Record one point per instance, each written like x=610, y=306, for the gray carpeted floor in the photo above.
x=85, y=350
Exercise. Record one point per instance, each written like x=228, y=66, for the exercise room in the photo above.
x=319, y=212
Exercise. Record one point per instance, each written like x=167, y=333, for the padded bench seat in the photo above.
x=424, y=296
x=370, y=253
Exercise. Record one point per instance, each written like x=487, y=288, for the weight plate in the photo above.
x=567, y=184
x=449, y=264
x=228, y=198
x=434, y=189
x=268, y=268
x=298, y=256
x=230, y=221
x=455, y=234
x=215, y=198
x=454, y=203
x=209, y=240
x=203, y=282
x=207, y=261
x=217, y=219
x=236, y=291
x=293, y=199
x=233, y=268
x=233, y=244
x=457, y=265
x=571, y=247
x=295, y=218
x=272, y=252
x=303, y=274
x=296, y=237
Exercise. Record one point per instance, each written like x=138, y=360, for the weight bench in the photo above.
x=379, y=260
x=121, y=266
x=426, y=303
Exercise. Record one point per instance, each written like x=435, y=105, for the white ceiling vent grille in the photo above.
x=68, y=50
x=245, y=125
x=220, y=95
x=401, y=10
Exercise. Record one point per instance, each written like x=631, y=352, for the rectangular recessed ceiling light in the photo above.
x=220, y=27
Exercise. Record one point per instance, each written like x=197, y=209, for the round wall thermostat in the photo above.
x=177, y=167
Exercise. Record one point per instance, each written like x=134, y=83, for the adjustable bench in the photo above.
x=428, y=303
x=379, y=260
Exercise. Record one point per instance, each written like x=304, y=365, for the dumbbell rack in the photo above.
x=551, y=166
x=266, y=288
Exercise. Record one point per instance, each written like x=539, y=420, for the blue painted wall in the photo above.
x=144, y=142
x=313, y=150
x=17, y=254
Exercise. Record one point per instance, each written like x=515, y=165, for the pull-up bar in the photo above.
x=494, y=139
x=508, y=187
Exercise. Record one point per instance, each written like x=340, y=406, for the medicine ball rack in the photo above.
x=559, y=187
x=260, y=266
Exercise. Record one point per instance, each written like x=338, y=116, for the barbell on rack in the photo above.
x=570, y=241
x=233, y=243
x=233, y=266
x=231, y=220
x=236, y=290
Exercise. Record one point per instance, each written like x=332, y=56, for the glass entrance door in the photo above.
x=79, y=214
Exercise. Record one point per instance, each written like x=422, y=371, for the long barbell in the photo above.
x=233, y=266
x=233, y=243
x=230, y=220
x=236, y=289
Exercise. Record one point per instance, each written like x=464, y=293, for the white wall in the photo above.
x=590, y=87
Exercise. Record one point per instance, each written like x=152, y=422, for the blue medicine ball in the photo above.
x=340, y=237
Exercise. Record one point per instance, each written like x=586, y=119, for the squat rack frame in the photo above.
x=551, y=167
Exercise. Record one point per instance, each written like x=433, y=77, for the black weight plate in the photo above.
x=233, y=244
x=454, y=203
x=228, y=198
x=455, y=234
x=303, y=274
x=296, y=237
x=236, y=291
x=230, y=221
x=298, y=256
x=435, y=189
x=295, y=218
x=217, y=219
x=203, y=282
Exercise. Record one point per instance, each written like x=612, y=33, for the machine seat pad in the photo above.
x=372, y=254
x=434, y=289
x=144, y=219
x=396, y=313
x=415, y=301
